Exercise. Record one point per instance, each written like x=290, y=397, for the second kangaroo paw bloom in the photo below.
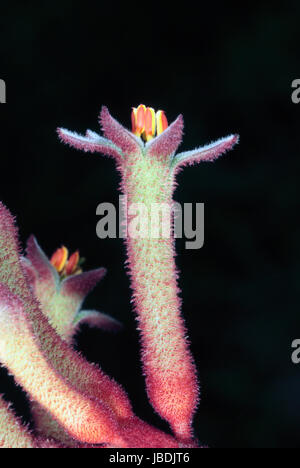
x=85, y=377
x=60, y=285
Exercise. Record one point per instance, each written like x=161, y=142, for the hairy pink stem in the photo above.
x=168, y=365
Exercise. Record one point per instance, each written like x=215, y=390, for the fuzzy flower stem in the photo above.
x=84, y=418
x=14, y=434
x=148, y=178
x=168, y=365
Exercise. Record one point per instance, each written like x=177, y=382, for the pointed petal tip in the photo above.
x=97, y=319
x=40, y=262
x=75, y=140
x=168, y=141
x=235, y=138
x=104, y=109
x=180, y=118
x=101, y=272
x=90, y=142
x=83, y=283
x=227, y=143
x=103, y=116
x=64, y=135
x=207, y=153
x=118, y=134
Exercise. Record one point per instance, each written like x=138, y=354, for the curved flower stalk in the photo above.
x=37, y=354
x=12, y=432
x=26, y=353
x=90, y=409
x=147, y=160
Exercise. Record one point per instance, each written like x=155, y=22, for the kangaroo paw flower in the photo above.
x=60, y=285
x=148, y=168
x=86, y=377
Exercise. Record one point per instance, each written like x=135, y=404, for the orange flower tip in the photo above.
x=59, y=258
x=72, y=264
x=138, y=119
x=161, y=122
x=146, y=124
x=133, y=120
x=150, y=125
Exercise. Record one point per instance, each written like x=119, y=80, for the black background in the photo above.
x=227, y=69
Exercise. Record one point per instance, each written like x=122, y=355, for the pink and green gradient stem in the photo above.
x=168, y=366
x=148, y=164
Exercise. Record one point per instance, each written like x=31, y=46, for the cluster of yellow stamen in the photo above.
x=64, y=264
x=146, y=123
